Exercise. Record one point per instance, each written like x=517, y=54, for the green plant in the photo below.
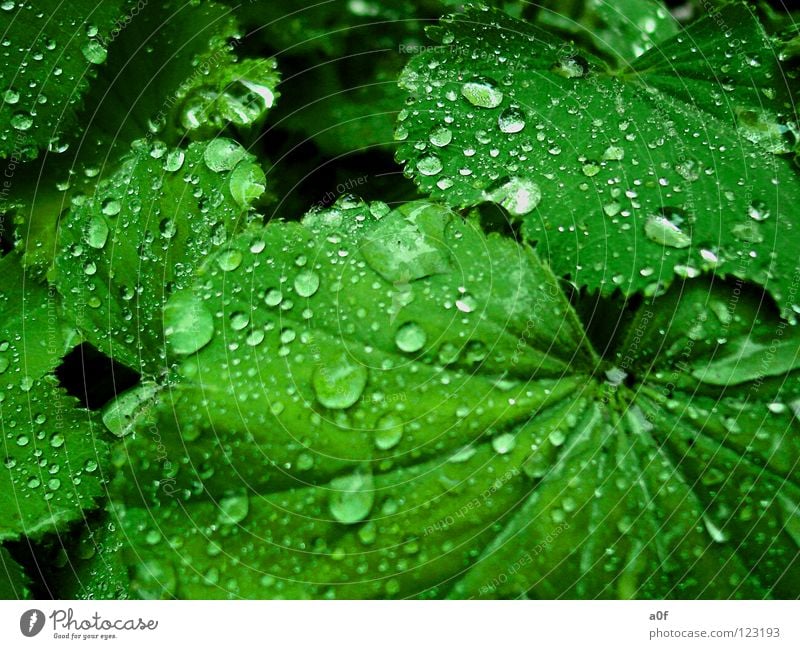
x=564, y=362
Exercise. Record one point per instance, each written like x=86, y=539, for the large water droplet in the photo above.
x=716, y=533
x=97, y=232
x=247, y=183
x=408, y=243
x=571, y=67
x=121, y=414
x=410, y=337
x=440, y=136
x=758, y=211
x=306, y=283
x=511, y=120
x=21, y=121
x=94, y=52
x=174, y=160
x=663, y=231
x=352, y=497
x=504, y=443
x=233, y=509
x=229, y=260
x=430, y=165
x=482, y=92
x=388, y=431
x=748, y=232
x=339, y=383
x=518, y=195
x=223, y=154
x=188, y=325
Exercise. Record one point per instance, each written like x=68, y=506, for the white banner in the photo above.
x=386, y=625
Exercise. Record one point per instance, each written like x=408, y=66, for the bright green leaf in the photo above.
x=396, y=405
x=125, y=249
x=51, y=52
x=624, y=181
x=621, y=30
x=52, y=459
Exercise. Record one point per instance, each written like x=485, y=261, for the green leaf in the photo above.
x=398, y=405
x=384, y=345
x=90, y=565
x=141, y=235
x=14, y=583
x=623, y=180
x=621, y=30
x=51, y=53
x=52, y=460
x=200, y=89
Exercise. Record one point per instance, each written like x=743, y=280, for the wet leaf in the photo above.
x=517, y=462
x=51, y=451
x=139, y=238
x=624, y=180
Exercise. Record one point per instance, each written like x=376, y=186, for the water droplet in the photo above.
x=591, y=168
x=410, y=337
x=482, y=92
x=223, y=154
x=747, y=232
x=518, y=195
x=111, y=207
x=174, y=160
x=504, y=443
x=440, y=136
x=466, y=303
x=233, y=509
x=388, y=431
x=614, y=153
x=273, y=297
x=21, y=121
x=255, y=338
x=188, y=325
x=229, y=260
x=511, y=120
x=94, y=52
x=339, y=383
x=663, y=231
x=407, y=244
x=571, y=67
x=247, y=183
x=352, y=497
x=239, y=320
x=688, y=170
x=168, y=228
x=462, y=455
x=11, y=96
x=97, y=232
x=306, y=283
x=717, y=535
x=120, y=415
x=758, y=211
x=430, y=165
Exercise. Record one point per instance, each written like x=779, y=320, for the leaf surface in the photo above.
x=624, y=180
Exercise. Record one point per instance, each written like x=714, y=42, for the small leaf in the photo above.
x=52, y=52
x=52, y=460
x=139, y=238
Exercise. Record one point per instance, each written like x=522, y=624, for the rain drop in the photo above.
x=482, y=92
